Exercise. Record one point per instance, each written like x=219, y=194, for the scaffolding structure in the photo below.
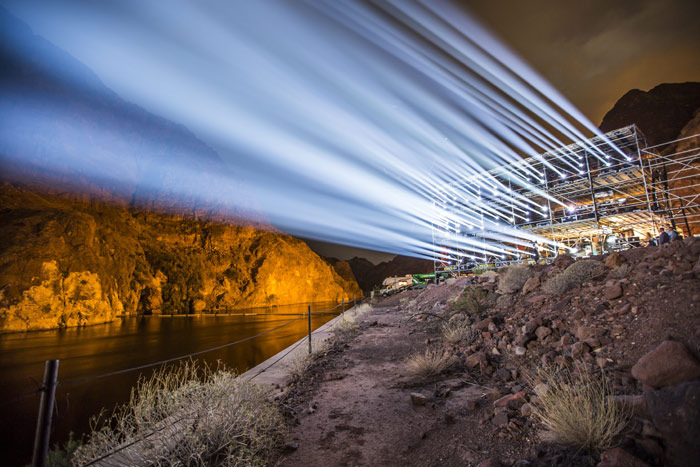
x=602, y=194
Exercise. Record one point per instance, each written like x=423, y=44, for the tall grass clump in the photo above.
x=576, y=274
x=580, y=410
x=457, y=329
x=188, y=415
x=430, y=363
x=473, y=300
x=347, y=325
x=302, y=361
x=513, y=278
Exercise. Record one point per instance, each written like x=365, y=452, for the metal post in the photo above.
x=309, y=329
x=43, y=424
x=644, y=179
x=343, y=304
x=354, y=302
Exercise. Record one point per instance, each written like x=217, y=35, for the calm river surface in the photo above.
x=125, y=343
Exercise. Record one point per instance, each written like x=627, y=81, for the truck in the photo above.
x=394, y=284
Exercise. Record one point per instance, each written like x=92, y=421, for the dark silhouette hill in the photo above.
x=661, y=113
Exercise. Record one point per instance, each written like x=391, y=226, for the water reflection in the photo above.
x=122, y=344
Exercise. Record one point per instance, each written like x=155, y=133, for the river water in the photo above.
x=122, y=344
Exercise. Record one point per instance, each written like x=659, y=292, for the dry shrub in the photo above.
x=432, y=362
x=360, y=310
x=513, y=278
x=346, y=326
x=576, y=274
x=473, y=300
x=188, y=415
x=457, y=329
x=579, y=410
x=302, y=361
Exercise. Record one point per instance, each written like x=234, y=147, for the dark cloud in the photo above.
x=596, y=50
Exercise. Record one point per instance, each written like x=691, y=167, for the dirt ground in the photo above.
x=356, y=408
x=359, y=404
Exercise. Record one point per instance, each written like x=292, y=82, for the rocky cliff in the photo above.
x=65, y=263
x=661, y=113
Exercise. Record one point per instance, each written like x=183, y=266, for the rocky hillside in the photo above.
x=660, y=113
x=632, y=316
x=65, y=263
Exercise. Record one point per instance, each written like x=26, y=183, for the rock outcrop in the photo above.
x=660, y=113
x=64, y=263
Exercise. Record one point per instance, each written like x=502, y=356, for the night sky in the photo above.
x=594, y=51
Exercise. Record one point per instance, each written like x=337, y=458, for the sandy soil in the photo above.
x=357, y=408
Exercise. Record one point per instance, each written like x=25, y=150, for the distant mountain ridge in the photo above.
x=661, y=113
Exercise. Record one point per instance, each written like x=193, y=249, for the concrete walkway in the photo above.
x=276, y=371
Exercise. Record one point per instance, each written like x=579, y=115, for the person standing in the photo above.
x=663, y=238
x=672, y=234
x=535, y=252
x=650, y=240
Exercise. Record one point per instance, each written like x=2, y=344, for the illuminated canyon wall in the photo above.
x=65, y=263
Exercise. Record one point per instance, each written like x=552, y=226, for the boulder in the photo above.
x=579, y=349
x=614, y=260
x=477, y=359
x=563, y=261
x=668, y=364
x=542, y=332
x=613, y=292
x=531, y=284
x=675, y=412
x=505, y=401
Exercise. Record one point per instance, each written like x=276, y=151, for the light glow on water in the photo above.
x=341, y=121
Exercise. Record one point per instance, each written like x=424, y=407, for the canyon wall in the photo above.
x=66, y=263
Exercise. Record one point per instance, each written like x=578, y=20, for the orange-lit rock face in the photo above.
x=684, y=179
x=69, y=264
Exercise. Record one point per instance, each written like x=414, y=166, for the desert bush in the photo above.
x=360, y=310
x=579, y=410
x=473, y=300
x=430, y=363
x=189, y=415
x=457, y=330
x=576, y=274
x=63, y=456
x=512, y=279
x=302, y=362
x=345, y=327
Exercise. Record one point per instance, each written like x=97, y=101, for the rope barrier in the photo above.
x=141, y=367
x=277, y=361
x=131, y=443
x=21, y=397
